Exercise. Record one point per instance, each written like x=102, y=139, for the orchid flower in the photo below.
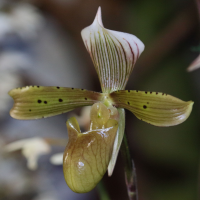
x=31, y=148
x=88, y=155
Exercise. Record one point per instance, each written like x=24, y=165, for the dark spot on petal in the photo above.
x=145, y=92
x=150, y=92
x=82, y=89
x=144, y=106
x=60, y=100
x=129, y=91
x=72, y=88
x=38, y=86
x=45, y=102
x=39, y=101
x=128, y=103
x=30, y=110
x=163, y=93
x=58, y=87
x=85, y=98
x=147, y=102
x=136, y=90
x=156, y=92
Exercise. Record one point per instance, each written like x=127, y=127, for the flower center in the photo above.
x=106, y=100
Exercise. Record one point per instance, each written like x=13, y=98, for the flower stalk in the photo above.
x=103, y=194
x=130, y=171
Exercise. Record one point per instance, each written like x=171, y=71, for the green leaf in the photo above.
x=113, y=53
x=155, y=108
x=34, y=102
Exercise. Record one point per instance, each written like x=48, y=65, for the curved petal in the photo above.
x=87, y=155
x=155, y=108
x=194, y=65
x=118, y=141
x=34, y=102
x=17, y=145
x=113, y=53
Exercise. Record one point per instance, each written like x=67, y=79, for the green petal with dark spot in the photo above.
x=34, y=102
x=155, y=108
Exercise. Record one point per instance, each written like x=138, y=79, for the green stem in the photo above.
x=103, y=195
x=130, y=172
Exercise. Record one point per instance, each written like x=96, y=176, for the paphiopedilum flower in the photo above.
x=114, y=55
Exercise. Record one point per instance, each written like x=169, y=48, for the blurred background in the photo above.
x=40, y=44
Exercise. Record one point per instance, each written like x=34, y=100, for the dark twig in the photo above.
x=198, y=6
x=175, y=32
x=130, y=172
